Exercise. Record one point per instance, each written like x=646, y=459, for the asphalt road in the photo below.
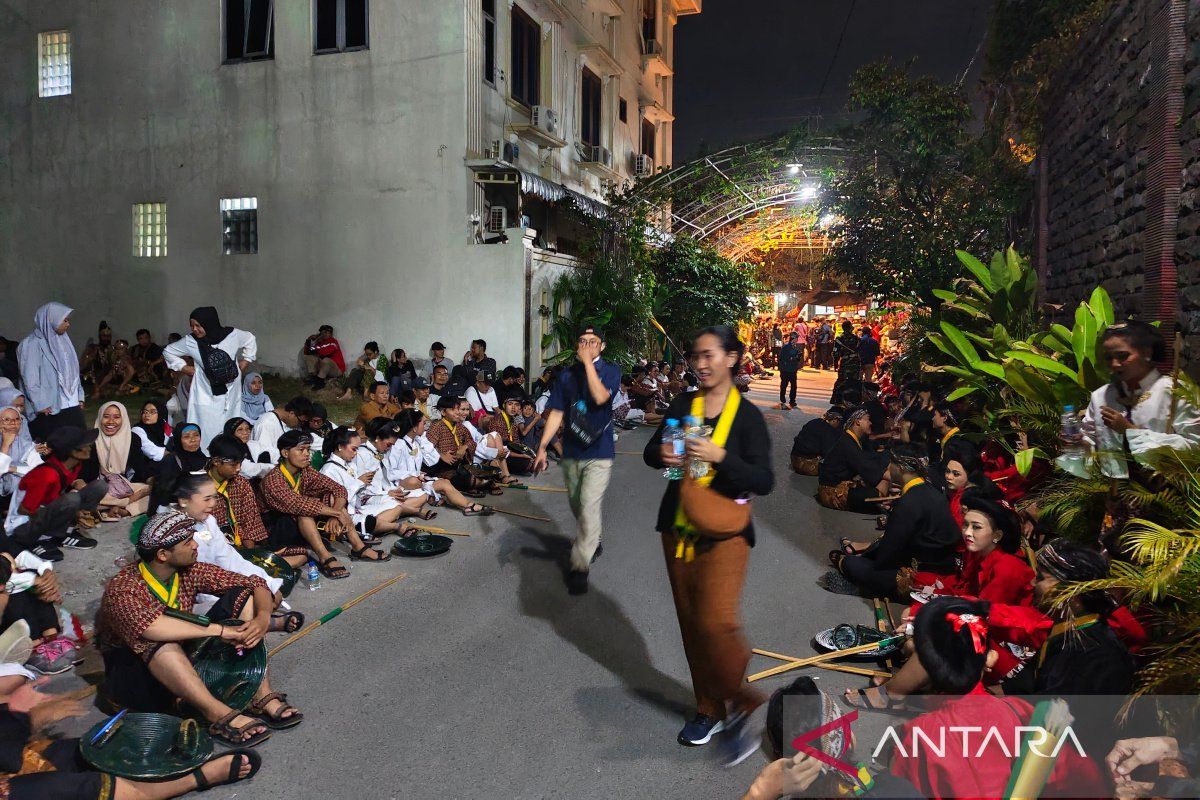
x=477, y=675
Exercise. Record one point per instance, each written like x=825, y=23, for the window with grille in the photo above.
x=489, y=41
x=526, y=72
x=54, y=63
x=339, y=26
x=149, y=229
x=591, y=91
x=249, y=30
x=239, y=226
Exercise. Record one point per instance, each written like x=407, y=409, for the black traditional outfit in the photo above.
x=849, y=474
x=814, y=440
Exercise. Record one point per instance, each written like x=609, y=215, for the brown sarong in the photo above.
x=805, y=465
x=835, y=496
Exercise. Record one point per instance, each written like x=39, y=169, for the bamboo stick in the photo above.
x=526, y=487
x=881, y=624
x=833, y=655
x=298, y=635
x=519, y=514
x=435, y=529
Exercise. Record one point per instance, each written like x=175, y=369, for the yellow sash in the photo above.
x=453, y=432
x=1077, y=624
x=223, y=490
x=507, y=425
x=293, y=482
x=911, y=484
x=685, y=547
x=167, y=595
x=949, y=434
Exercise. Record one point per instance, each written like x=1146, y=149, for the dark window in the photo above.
x=526, y=59
x=239, y=226
x=489, y=41
x=589, y=129
x=649, y=19
x=249, y=30
x=623, y=110
x=339, y=25
x=648, y=136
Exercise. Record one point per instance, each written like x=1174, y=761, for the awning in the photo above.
x=549, y=191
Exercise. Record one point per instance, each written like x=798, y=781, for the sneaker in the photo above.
x=77, y=541
x=739, y=741
x=577, y=582
x=47, y=552
x=599, y=551
x=700, y=730
x=52, y=658
x=793, y=406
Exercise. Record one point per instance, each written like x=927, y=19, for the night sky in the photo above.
x=748, y=68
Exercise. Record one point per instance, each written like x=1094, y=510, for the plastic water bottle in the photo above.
x=695, y=427
x=674, y=436
x=312, y=576
x=1072, y=456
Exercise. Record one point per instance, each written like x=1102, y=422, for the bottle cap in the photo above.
x=1068, y=408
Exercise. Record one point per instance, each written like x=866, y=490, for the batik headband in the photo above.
x=164, y=531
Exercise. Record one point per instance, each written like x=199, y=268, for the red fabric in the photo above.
x=1129, y=628
x=998, y=465
x=956, y=505
x=330, y=348
x=998, y=577
x=44, y=483
x=967, y=767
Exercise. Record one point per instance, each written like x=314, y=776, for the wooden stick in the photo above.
x=518, y=514
x=874, y=673
x=526, y=487
x=435, y=529
x=298, y=635
x=887, y=499
x=833, y=655
x=629, y=452
x=881, y=624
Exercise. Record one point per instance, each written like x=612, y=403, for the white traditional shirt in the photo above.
x=1149, y=409
x=213, y=548
x=265, y=437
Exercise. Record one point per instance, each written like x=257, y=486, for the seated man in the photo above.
x=120, y=370
x=148, y=363
x=504, y=425
x=482, y=399
x=306, y=504
x=141, y=638
x=850, y=472
x=814, y=440
x=421, y=396
x=921, y=534
x=323, y=358
x=489, y=449
x=512, y=384
x=530, y=424
x=293, y=415
x=50, y=497
x=366, y=366
x=238, y=513
x=379, y=404
x=455, y=446
x=405, y=464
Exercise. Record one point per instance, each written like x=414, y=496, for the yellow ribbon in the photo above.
x=1077, y=624
x=911, y=484
x=453, y=432
x=223, y=490
x=167, y=595
x=950, y=433
x=685, y=547
x=293, y=482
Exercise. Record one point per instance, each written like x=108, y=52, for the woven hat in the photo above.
x=147, y=747
x=15, y=644
x=231, y=678
x=422, y=545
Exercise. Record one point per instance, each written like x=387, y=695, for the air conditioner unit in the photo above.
x=512, y=152
x=497, y=219
x=643, y=165
x=601, y=155
x=545, y=119
x=493, y=151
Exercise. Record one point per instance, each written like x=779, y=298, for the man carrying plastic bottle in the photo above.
x=582, y=395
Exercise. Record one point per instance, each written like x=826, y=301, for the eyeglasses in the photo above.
x=226, y=460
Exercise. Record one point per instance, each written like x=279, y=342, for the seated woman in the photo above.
x=406, y=462
x=18, y=452
x=35, y=767
x=457, y=448
x=141, y=640
x=489, y=449
x=196, y=496
x=238, y=513
x=814, y=440
x=239, y=430
x=994, y=566
x=255, y=401
x=308, y=507
x=962, y=468
x=951, y=637
x=375, y=512
x=850, y=474
x=118, y=452
x=643, y=395
x=31, y=593
x=183, y=456
x=920, y=532
x=153, y=430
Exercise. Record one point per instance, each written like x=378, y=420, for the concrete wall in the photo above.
x=356, y=160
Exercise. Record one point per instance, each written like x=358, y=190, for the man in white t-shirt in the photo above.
x=273, y=424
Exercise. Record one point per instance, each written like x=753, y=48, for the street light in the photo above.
x=810, y=192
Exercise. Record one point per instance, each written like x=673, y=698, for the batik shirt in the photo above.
x=299, y=496
x=238, y=507
x=446, y=437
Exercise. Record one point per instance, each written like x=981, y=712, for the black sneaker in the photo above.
x=77, y=541
x=700, y=730
x=47, y=552
x=599, y=551
x=577, y=582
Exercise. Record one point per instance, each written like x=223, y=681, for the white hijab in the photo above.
x=58, y=345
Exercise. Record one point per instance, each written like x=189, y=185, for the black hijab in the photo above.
x=214, y=331
x=157, y=432
x=230, y=427
x=188, y=462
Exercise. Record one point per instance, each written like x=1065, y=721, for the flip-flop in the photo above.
x=239, y=756
x=292, y=621
x=478, y=510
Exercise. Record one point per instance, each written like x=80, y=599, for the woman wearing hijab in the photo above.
x=153, y=429
x=18, y=454
x=115, y=454
x=50, y=373
x=255, y=402
x=239, y=429
x=219, y=355
x=185, y=455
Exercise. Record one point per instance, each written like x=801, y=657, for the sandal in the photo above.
x=288, y=622
x=426, y=514
x=333, y=573
x=224, y=730
x=847, y=547
x=862, y=700
x=276, y=721
x=477, y=510
x=240, y=756
x=472, y=493
x=496, y=491
x=357, y=555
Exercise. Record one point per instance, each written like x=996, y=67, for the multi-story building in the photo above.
x=395, y=168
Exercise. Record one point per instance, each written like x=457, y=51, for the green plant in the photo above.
x=696, y=287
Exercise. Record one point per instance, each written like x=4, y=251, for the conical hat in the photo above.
x=275, y=566
x=422, y=545
x=147, y=747
x=231, y=678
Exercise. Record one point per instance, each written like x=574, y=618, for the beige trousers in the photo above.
x=586, y=480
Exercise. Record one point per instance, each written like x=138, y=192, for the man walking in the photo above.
x=790, y=359
x=583, y=394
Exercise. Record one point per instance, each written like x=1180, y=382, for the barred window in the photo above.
x=239, y=226
x=149, y=229
x=54, y=63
